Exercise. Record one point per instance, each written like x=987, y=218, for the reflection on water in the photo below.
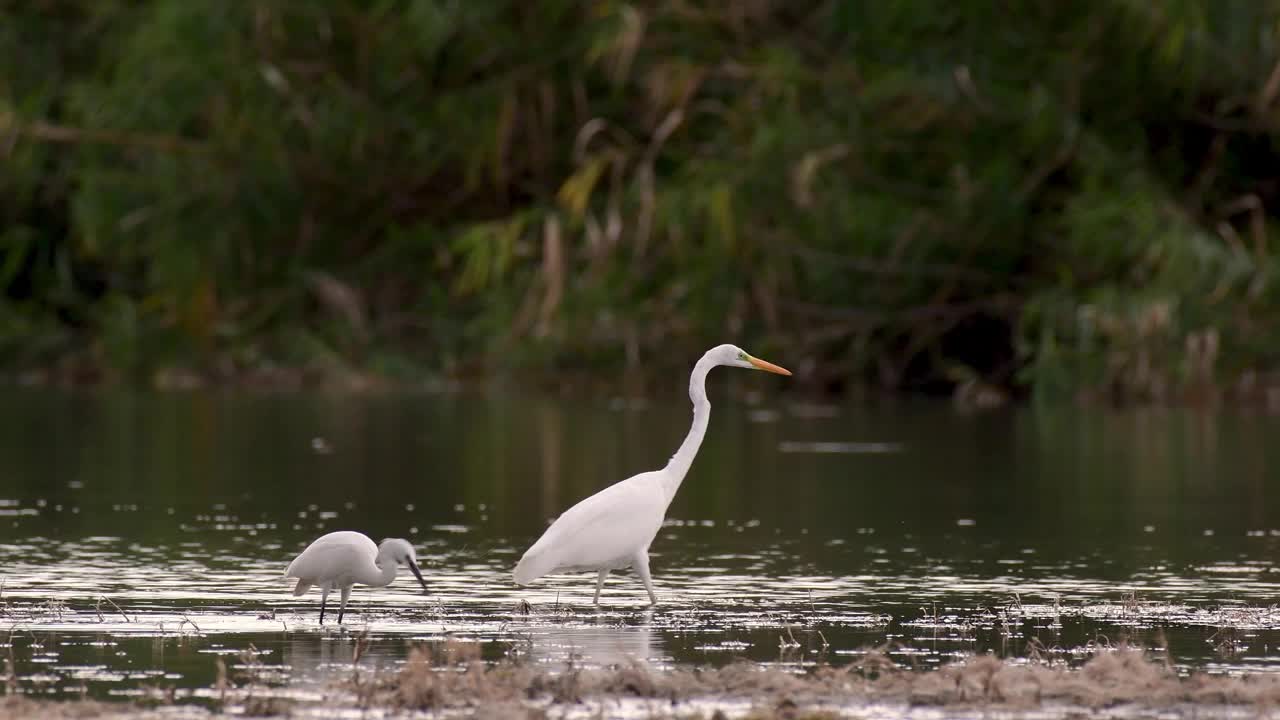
x=143, y=536
x=603, y=641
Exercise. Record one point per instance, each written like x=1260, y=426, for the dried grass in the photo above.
x=17, y=706
x=451, y=677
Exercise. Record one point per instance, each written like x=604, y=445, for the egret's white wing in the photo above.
x=326, y=558
x=603, y=531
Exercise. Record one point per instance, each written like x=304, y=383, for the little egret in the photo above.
x=341, y=559
x=612, y=529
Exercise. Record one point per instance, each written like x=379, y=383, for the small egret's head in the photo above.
x=401, y=552
x=737, y=357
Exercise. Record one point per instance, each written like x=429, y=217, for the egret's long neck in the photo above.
x=382, y=572
x=679, y=464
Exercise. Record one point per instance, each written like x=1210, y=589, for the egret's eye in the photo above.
x=742, y=356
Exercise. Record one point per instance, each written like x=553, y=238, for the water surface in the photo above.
x=143, y=536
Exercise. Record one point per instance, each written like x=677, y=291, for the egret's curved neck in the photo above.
x=381, y=574
x=679, y=464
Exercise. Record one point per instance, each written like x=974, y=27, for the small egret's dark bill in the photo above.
x=413, y=567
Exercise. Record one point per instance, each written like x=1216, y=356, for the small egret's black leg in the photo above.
x=324, y=598
x=342, y=609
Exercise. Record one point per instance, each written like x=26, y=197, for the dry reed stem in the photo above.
x=114, y=605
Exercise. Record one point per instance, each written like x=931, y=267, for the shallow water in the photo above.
x=143, y=536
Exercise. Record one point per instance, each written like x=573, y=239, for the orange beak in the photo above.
x=767, y=366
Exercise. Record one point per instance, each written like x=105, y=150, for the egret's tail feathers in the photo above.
x=302, y=587
x=530, y=568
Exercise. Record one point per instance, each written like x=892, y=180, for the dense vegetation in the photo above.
x=1056, y=196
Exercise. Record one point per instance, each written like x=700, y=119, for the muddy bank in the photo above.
x=451, y=680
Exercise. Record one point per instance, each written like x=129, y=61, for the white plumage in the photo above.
x=341, y=559
x=613, y=529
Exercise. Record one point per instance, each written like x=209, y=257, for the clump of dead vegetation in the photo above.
x=18, y=706
x=452, y=676
x=1114, y=677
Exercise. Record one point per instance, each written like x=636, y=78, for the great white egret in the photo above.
x=612, y=529
x=341, y=559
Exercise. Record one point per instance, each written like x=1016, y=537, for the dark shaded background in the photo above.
x=1034, y=196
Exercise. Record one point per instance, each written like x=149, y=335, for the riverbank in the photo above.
x=1247, y=390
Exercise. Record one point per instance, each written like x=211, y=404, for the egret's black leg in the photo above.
x=324, y=598
x=342, y=609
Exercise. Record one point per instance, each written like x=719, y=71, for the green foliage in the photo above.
x=1066, y=197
